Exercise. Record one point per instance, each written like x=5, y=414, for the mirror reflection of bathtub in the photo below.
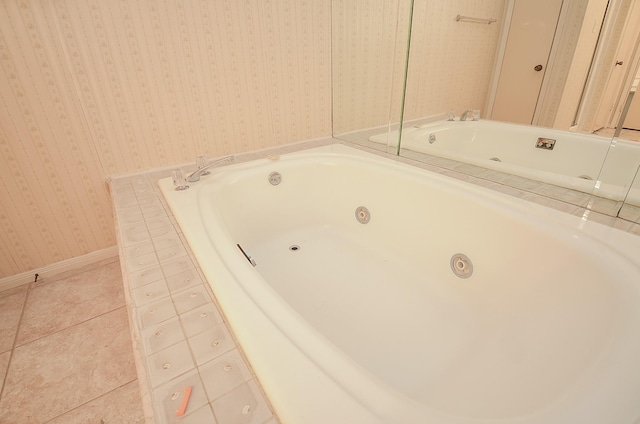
x=451, y=65
x=561, y=158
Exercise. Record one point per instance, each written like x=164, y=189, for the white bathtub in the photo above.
x=575, y=161
x=345, y=322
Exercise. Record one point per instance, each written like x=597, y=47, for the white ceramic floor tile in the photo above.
x=171, y=253
x=177, y=266
x=200, y=319
x=145, y=276
x=167, y=241
x=141, y=262
x=149, y=201
x=156, y=312
x=157, y=223
x=155, y=213
x=169, y=363
x=190, y=298
x=151, y=292
x=163, y=231
x=169, y=397
x=184, y=280
x=224, y=373
x=139, y=249
x=131, y=219
x=132, y=234
x=243, y=405
x=161, y=336
x=211, y=343
x=126, y=201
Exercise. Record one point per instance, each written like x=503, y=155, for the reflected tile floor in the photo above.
x=65, y=350
x=625, y=134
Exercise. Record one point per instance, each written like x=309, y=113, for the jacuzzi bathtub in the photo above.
x=350, y=322
x=574, y=162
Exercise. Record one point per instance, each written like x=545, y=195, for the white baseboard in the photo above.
x=12, y=281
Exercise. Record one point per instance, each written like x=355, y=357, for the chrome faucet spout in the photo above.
x=195, y=176
x=463, y=117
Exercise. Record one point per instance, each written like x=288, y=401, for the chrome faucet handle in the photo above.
x=195, y=175
x=463, y=117
x=201, y=162
x=179, y=180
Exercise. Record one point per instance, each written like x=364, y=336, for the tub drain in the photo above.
x=275, y=178
x=362, y=215
x=461, y=265
x=294, y=247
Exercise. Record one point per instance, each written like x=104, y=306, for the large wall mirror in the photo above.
x=526, y=93
x=370, y=40
x=630, y=130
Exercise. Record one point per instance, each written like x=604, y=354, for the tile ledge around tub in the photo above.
x=179, y=334
x=170, y=303
x=178, y=330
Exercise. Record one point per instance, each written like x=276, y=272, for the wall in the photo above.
x=92, y=88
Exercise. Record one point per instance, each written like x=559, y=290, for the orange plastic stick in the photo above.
x=185, y=400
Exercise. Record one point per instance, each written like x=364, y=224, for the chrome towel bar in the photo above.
x=471, y=19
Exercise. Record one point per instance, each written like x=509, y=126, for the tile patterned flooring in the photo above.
x=65, y=350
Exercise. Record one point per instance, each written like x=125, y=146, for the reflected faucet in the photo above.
x=195, y=176
x=463, y=117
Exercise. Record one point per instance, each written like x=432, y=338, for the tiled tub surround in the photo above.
x=180, y=336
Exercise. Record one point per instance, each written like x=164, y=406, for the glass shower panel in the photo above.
x=369, y=47
x=615, y=183
x=630, y=209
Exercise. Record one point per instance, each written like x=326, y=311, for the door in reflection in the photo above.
x=531, y=32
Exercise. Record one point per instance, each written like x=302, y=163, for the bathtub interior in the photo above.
x=545, y=308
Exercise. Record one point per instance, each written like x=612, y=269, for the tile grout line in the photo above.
x=15, y=340
x=90, y=400
x=68, y=327
x=53, y=280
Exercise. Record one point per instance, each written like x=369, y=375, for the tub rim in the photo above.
x=405, y=406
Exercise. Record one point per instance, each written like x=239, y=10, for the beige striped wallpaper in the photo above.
x=93, y=88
